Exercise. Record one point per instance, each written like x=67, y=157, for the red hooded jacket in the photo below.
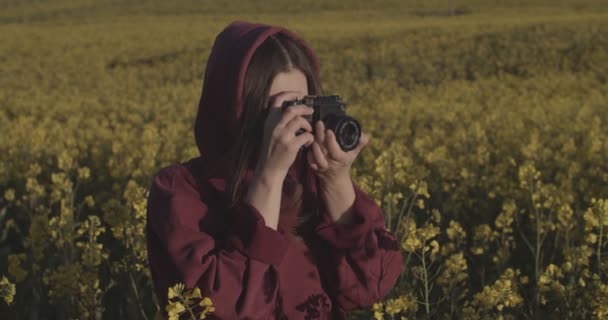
x=251, y=271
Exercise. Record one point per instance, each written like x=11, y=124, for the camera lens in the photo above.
x=346, y=129
x=349, y=134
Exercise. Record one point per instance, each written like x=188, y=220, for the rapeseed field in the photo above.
x=489, y=150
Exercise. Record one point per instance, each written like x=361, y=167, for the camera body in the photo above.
x=332, y=111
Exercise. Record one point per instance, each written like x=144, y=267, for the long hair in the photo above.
x=278, y=53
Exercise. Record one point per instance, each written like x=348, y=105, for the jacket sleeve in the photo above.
x=236, y=271
x=366, y=256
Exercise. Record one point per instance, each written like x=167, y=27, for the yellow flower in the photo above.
x=192, y=294
x=7, y=290
x=176, y=290
x=378, y=315
x=84, y=173
x=411, y=244
x=591, y=238
x=377, y=308
x=420, y=203
x=9, y=195
x=455, y=231
x=65, y=161
x=455, y=271
x=174, y=309
x=428, y=232
x=434, y=247
x=89, y=201
x=205, y=302
x=208, y=307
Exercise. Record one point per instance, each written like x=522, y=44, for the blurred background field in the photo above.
x=489, y=152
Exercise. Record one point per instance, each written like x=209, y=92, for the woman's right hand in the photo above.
x=280, y=145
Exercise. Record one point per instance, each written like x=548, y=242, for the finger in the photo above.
x=314, y=166
x=276, y=102
x=297, y=123
x=310, y=158
x=277, y=99
x=292, y=112
x=319, y=132
x=274, y=110
x=335, y=152
x=320, y=136
x=319, y=157
x=363, y=141
x=307, y=144
x=304, y=139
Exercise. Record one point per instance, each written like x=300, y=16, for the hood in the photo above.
x=221, y=103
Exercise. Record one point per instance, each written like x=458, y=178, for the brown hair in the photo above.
x=278, y=53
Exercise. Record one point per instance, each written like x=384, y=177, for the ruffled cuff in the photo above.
x=366, y=216
x=250, y=235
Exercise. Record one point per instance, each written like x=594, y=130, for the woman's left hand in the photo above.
x=327, y=159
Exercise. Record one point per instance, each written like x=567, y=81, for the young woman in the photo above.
x=267, y=223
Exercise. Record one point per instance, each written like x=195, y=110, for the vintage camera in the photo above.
x=332, y=111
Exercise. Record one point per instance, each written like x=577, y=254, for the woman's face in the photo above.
x=293, y=80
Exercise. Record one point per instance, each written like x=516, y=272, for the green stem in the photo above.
x=537, y=251
x=188, y=307
x=452, y=305
x=141, y=309
x=599, y=247
x=407, y=216
x=390, y=203
x=400, y=215
x=426, y=284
